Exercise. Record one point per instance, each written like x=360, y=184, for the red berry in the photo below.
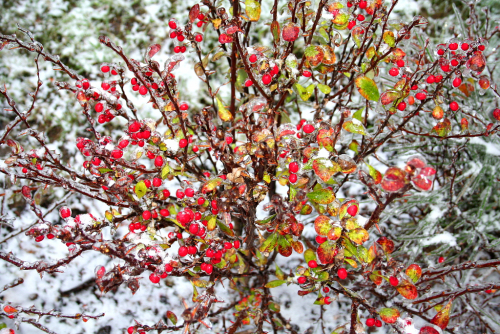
x=159, y=161
x=177, y=49
x=193, y=229
x=131, y=330
x=326, y=289
x=293, y=167
x=266, y=79
x=183, y=251
x=180, y=38
x=441, y=259
x=228, y=245
x=454, y=106
x=189, y=192
x=394, y=71
x=320, y=239
x=172, y=24
x=39, y=238
x=236, y=244
x=292, y=178
x=64, y=212
x=402, y=106
x=198, y=37
x=308, y=128
x=201, y=201
x=146, y=215
x=342, y=273
x=351, y=24
x=252, y=58
x=105, y=69
x=184, y=106
x=248, y=83
x=430, y=79
x=183, y=143
x=352, y=210
x=105, y=85
x=457, y=82
x=360, y=17
x=179, y=193
x=453, y=46
x=143, y=90
x=393, y=281
x=201, y=16
x=199, y=24
x=166, y=193
x=306, y=73
x=301, y=280
x=370, y=322
x=454, y=62
x=154, y=278
x=400, y=63
x=197, y=216
x=464, y=46
x=164, y=212
x=481, y=47
x=496, y=114
x=420, y=96
x=86, y=85
x=99, y=107
x=209, y=268
x=378, y=323
x=117, y=154
x=440, y=52
x=157, y=182
x=362, y=4
x=312, y=264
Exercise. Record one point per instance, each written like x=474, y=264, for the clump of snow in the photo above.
x=443, y=238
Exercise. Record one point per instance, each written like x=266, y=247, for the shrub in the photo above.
x=344, y=140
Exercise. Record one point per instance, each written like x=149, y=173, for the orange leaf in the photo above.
x=443, y=317
x=407, y=289
x=414, y=272
x=389, y=315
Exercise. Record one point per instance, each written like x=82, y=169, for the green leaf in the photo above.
x=270, y=243
x=224, y=114
x=212, y=222
x=367, y=88
x=309, y=255
x=354, y=126
x=322, y=196
x=279, y=273
x=284, y=246
x=389, y=38
x=165, y=171
x=104, y=170
x=358, y=236
x=274, y=284
x=324, y=89
x=359, y=114
x=323, y=276
x=140, y=189
x=304, y=93
x=172, y=317
x=275, y=30
x=375, y=174
x=265, y=221
x=252, y=8
x=225, y=228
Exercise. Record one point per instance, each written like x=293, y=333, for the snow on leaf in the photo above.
x=290, y=32
x=375, y=174
x=325, y=169
x=172, y=317
x=442, y=318
x=327, y=251
x=211, y=185
x=389, y=38
x=252, y=8
x=274, y=284
x=152, y=50
x=322, y=196
x=284, y=246
x=304, y=93
x=367, y=88
x=386, y=244
x=314, y=55
x=389, y=315
x=193, y=13
x=414, y=272
x=394, y=179
x=346, y=163
x=140, y=189
x=322, y=225
x=354, y=126
x=407, y=289
x=224, y=114
x=275, y=30
x=358, y=236
x=442, y=128
x=269, y=244
x=324, y=138
x=329, y=57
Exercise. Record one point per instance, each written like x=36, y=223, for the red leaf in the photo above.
x=387, y=244
x=428, y=330
x=443, y=317
x=327, y=251
x=407, y=289
x=193, y=13
x=290, y=32
x=394, y=179
x=389, y=315
x=414, y=272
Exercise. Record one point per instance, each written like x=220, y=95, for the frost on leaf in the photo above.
x=290, y=32
x=345, y=205
x=394, y=179
x=442, y=318
x=314, y=55
x=443, y=128
x=375, y=174
x=211, y=185
x=327, y=251
x=325, y=168
x=386, y=244
x=389, y=97
x=275, y=30
x=389, y=315
x=304, y=93
x=428, y=330
x=367, y=88
x=324, y=138
x=414, y=272
x=358, y=236
x=354, y=126
x=376, y=277
x=322, y=225
x=284, y=246
x=172, y=317
x=252, y=8
x=224, y=114
x=322, y=196
x=389, y=38
x=407, y=289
